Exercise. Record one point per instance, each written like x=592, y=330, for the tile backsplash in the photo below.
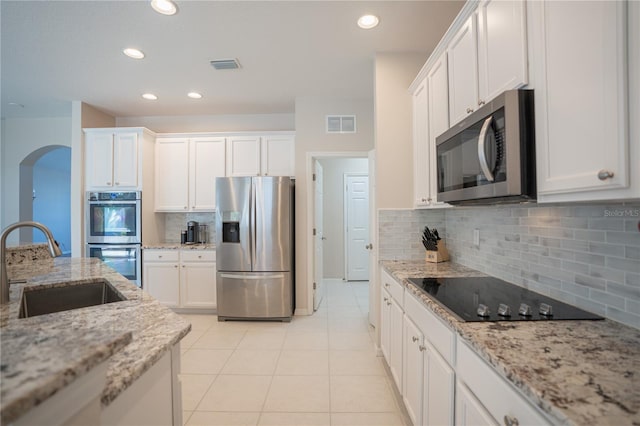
x=174, y=223
x=585, y=255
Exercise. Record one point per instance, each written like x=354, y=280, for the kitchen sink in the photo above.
x=40, y=301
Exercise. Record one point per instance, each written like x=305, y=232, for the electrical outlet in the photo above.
x=476, y=237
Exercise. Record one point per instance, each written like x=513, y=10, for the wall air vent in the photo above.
x=225, y=64
x=341, y=124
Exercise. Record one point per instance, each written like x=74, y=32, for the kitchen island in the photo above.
x=575, y=372
x=43, y=355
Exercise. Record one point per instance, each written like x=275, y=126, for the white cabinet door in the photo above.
x=243, y=156
x=198, y=284
x=162, y=281
x=206, y=164
x=463, y=72
x=421, y=163
x=278, y=156
x=469, y=411
x=582, y=140
x=125, y=160
x=502, y=47
x=385, y=323
x=99, y=160
x=413, y=373
x=171, y=174
x=396, y=316
x=439, y=390
x=438, y=90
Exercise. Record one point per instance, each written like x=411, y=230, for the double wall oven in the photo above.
x=114, y=232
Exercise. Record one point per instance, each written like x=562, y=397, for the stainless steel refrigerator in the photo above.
x=254, y=248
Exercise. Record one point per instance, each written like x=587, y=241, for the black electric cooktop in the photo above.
x=492, y=299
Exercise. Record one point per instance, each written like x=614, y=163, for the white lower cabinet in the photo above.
x=181, y=278
x=441, y=379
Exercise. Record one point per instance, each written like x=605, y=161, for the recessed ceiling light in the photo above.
x=150, y=96
x=133, y=53
x=166, y=7
x=194, y=95
x=367, y=22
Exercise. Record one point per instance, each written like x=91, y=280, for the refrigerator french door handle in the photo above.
x=482, y=156
x=252, y=277
x=252, y=223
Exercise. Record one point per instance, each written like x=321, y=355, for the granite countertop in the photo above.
x=178, y=246
x=578, y=372
x=43, y=354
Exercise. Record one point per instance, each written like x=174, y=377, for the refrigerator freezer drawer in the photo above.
x=254, y=295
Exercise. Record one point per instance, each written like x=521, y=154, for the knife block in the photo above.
x=437, y=256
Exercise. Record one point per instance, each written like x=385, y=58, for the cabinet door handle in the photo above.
x=414, y=338
x=108, y=183
x=511, y=421
x=175, y=266
x=386, y=284
x=386, y=299
x=117, y=183
x=185, y=207
x=422, y=348
x=605, y=174
x=160, y=257
x=469, y=110
x=388, y=303
x=193, y=207
x=183, y=266
x=480, y=102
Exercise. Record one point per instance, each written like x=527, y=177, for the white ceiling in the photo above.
x=54, y=52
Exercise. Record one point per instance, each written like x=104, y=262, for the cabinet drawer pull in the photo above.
x=386, y=285
x=469, y=110
x=480, y=102
x=388, y=303
x=422, y=348
x=160, y=257
x=605, y=174
x=175, y=266
x=108, y=183
x=117, y=183
x=414, y=338
x=511, y=421
x=386, y=299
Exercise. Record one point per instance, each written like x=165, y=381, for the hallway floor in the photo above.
x=316, y=370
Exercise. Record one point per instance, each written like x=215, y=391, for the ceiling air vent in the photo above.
x=225, y=64
x=341, y=124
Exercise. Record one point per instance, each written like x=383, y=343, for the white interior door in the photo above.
x=318, y=292
x=357, y=227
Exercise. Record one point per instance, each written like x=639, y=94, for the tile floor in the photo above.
x=316, y=370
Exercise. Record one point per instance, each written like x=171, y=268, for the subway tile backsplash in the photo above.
x=585, y=255
x=174, y=223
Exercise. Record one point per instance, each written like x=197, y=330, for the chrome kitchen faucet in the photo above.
x=4, y=281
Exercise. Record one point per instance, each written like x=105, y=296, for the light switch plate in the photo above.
x=476, y=237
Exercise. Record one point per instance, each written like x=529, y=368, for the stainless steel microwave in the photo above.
x=489, y=157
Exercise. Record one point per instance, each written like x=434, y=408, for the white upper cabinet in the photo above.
x=278, y=155
x=243, y=157
x=502, y=47
x=271, y=155
x=111, y=160
x=583, y=96
x=487, y=56
x=207, y=162
x=430, y=119
x=186, y=169
x=172, y=174
x=421, y=146
x=463, y=71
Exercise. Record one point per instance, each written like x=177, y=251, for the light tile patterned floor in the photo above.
x=316, y=370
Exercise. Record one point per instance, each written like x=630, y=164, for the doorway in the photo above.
x=45, y=194
x=327, y=207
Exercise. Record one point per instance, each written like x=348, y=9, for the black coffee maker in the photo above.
x=192, y=232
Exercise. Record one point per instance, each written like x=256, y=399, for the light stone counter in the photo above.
x=43, y=354
x=178, y=246
x=578, y=372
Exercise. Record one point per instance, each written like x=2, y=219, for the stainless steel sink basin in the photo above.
x=40, y=301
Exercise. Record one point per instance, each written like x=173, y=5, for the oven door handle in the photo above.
x=482, y=156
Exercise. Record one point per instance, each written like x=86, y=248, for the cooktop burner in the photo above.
x=492, y=299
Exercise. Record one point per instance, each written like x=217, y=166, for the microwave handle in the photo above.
x=482, y=156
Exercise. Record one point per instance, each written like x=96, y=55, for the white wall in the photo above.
x=21, y=136
x=211, y=123
x=312, y=138
x=333, y=211
x=394, y=149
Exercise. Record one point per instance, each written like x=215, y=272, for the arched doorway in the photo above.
x=45, y=194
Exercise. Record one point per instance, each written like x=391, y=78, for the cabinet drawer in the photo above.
x=160, y=255
x=394, y=288
x=440, y=335
x=503, y=400
x=198, y=255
